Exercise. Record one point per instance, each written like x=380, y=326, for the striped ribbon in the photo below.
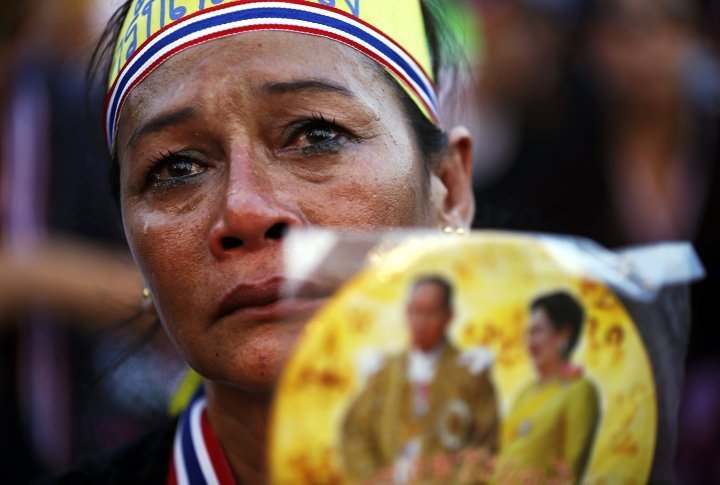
x=287, y=15
x=197, y=458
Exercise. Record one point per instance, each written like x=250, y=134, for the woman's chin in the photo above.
x=255, y=362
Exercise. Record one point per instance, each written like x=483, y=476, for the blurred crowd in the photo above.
x=597, y=118
x=82, y=365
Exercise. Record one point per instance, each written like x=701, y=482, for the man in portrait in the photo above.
x=428, y=402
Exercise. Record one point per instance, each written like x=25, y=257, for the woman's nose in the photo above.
x=252, y=216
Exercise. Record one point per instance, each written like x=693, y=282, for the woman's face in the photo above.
x=227, y=145
x=545, y=343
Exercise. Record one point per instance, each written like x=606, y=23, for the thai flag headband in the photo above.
x=390, y=32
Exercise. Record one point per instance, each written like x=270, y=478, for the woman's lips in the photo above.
x=265, y=301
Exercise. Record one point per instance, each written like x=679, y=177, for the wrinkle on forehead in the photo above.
x=210, y=69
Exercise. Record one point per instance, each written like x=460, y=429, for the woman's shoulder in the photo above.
x=582, y=386
x=144, y=460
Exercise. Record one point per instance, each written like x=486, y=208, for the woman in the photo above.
x=230, y=124
x=549, y=432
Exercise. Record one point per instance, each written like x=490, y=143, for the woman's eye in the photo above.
x=172, y=168
x=320, y=135
x=309, y=136
x=316, y=135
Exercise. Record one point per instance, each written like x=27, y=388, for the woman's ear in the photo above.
x=451, y=182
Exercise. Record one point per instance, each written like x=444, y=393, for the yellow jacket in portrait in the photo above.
x=549, y=432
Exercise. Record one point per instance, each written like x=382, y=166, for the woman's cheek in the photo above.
x=381, y=194
x=165, y=248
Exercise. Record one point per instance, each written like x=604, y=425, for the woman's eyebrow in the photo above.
x=318, y=85
x=162, y=121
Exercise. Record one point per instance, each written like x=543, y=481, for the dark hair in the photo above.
x=430, y=140
x=99, y=73
x=437, y=281
x=565, y=313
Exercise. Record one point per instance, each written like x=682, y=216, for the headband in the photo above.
x=389, y=32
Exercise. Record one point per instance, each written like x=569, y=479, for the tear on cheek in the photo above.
x=146, y=224
x=150, y=231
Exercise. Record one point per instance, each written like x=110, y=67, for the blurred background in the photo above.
x=598, y=118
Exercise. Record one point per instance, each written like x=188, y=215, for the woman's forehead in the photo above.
x=251, y=64
x=256, y=58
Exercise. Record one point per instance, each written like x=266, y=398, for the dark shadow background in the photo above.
x=593, y=118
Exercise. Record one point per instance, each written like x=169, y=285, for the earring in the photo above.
x=460, y=231
x=146, y=302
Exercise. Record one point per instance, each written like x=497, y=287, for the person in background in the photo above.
x=661, y=100
x=540, y=137
x=659, y=78
x=71, y=379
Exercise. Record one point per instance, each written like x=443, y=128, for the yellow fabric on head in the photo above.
x=390, y=32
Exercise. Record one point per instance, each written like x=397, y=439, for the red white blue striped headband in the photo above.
x=391, y=33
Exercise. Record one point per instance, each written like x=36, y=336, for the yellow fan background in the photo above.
x=495, y=276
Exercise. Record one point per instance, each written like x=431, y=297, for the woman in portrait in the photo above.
x=229, y=124
x=549, y=431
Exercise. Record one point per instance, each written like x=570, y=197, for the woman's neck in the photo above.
x=240, y=420
x=549, y=371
